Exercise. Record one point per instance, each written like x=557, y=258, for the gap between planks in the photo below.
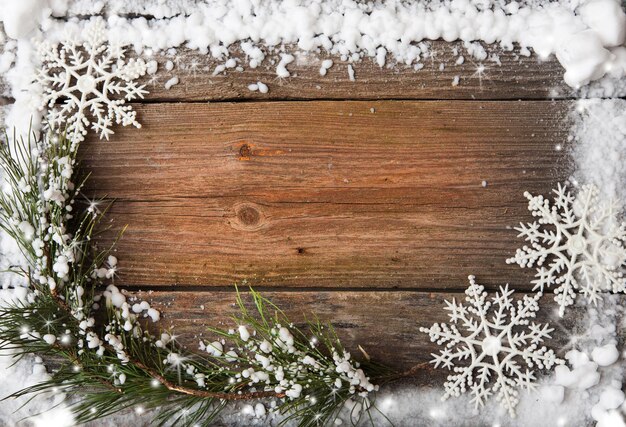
x=244, y=287
x=386, y=325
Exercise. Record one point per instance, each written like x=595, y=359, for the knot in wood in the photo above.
x=245, y=151
x=248, y=215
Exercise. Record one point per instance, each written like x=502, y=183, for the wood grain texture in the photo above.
x=512, y=77
x=385, y=324
x=326, y=194
x=516, y=77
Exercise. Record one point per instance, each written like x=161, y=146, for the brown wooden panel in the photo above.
x=385, y=324
x=326, y=194
x=515, y=77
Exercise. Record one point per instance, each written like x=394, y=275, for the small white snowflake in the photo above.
x=584, y=247
x=82, y=77
x=499, y=339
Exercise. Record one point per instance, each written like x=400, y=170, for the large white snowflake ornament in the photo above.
x=580, y=239
x=497, y=345
x=81, y=79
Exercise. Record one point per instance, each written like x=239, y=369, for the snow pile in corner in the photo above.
x=586, y=37
x=595, y=375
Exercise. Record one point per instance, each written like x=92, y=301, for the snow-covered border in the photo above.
x=585, y=36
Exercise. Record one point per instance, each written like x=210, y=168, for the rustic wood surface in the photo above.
x=506, y=75
x=368, y=213
x=385, y=324
x=326, y=194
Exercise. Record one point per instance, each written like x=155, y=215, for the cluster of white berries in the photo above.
x=354, y=376
x=125, y=319
x=280, y=364
x=54, y=191
x=269, y=359
x=107, y=271
x=55, y=250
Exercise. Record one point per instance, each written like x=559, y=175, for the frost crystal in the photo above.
x=500, y=339
x=584, y=247
x=83, y=77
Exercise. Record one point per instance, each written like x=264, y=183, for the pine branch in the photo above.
x=115, y=363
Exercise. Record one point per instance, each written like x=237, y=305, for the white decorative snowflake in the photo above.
x=584, y=246
x=82, y=77
x=499, y=340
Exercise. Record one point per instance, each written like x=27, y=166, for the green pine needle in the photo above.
x=108, y=359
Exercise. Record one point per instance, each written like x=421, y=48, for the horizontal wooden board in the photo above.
x=511, y=77
x=385, y=324
x=326, y=194
x=506, y=75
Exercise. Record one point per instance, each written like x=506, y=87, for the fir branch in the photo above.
x=115, y=363
x=206, y=394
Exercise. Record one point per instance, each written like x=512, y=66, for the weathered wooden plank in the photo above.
x=513, y=77
x=385, y=324
x=325, y=194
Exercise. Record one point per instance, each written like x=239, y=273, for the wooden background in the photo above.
x=362, y=202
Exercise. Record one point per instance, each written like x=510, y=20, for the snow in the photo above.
x=258, y=86
x=281, y=69
x=552, y=393
x=584, y=58
x=326, y=64
x=243, y=333
x=49, y=339
x=599, y=154
x=152, y=67
x=607, y=19
x=215, y=349
x=351, y=75
x=259, y=410
x=171, y=82
x=17, y=17
x=547, y=28
x=611, y=398
x=583, y=374
x=154, y=314
x=611, y=419
x=262, y=87
x=27, y=372
x=605, y=355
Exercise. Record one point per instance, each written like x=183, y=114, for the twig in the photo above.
x=414, y=371
x=170, y=385
x=76, y=362
x=203, y=393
